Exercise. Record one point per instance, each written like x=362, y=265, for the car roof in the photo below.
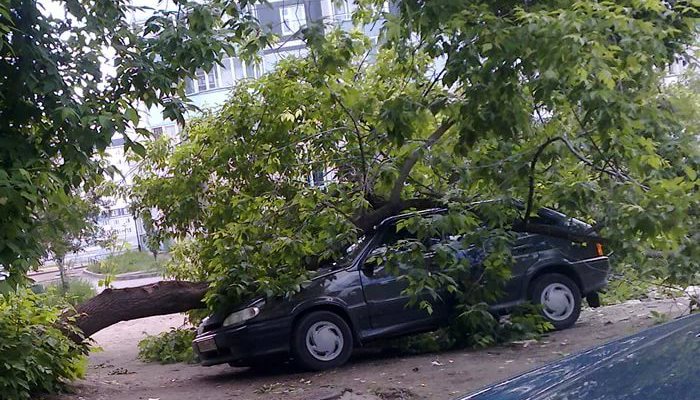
x=393, y=219
x=429, y=211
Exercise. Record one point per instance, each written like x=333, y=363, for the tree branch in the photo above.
x=411, y=161
x=358, y=133
x=612, y=172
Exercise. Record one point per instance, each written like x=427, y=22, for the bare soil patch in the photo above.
x=116, y=373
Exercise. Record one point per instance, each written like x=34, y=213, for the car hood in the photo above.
x=215, y=320
x=658, y=363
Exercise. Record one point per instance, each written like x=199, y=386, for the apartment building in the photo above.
x=209, y=89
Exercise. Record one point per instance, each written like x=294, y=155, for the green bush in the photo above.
x=168, y=347
x=78, y=292
x=131, y=261
x=35, y=356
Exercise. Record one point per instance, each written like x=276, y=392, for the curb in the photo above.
x=124, y=277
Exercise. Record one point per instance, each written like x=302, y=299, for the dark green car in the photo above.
x=354, y=301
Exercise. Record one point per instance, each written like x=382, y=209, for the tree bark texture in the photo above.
x=116, y=305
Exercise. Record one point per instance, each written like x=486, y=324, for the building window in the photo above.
x=189, y=86
x=293, y=18
x=206, y=80
x=343, y=9
x=253, y=70
x=203, y=81
x=170, y=130
x=221, y=76
x=318, y=178
x=117, y=142
x=678, y=66
x=226, y=72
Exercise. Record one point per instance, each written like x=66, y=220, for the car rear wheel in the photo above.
x=560, y=298
x=322, y=340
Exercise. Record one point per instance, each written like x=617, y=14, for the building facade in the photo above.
x=284, y=18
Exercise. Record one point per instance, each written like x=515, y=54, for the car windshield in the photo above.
x=353, y=250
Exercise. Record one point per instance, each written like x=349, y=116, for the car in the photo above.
x=354, y=301
x=659, y=363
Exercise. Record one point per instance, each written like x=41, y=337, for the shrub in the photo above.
x=476, y=327
x=168, y=347
x=35, y=356
x=78, y=292
x=131, y=261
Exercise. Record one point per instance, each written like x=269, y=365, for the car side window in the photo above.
x=390, y=238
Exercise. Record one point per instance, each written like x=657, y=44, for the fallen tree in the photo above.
x=117, y=305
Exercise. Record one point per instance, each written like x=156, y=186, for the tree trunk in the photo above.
x=62, y=273
x=116, y=305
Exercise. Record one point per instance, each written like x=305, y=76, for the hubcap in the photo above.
x=557, y=301
x=324, y=341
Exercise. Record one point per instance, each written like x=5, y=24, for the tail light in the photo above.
x=599, y=249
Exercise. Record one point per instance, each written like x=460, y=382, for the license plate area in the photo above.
x=206, y=345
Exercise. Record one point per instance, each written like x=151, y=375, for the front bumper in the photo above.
x=245, y=342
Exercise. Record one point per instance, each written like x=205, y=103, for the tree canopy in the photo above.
x=60, y=107
x=548, y=102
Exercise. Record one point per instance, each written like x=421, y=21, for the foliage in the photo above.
x=429, y=342
x=60, y=109
x=477, y=328
x=130, y=261
x=168, y=347
x=70, y=227
x=659, y=317
x=78, y=292
x=35, y=355
x=555, y=103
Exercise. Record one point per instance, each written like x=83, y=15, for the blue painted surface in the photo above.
x=660, y=363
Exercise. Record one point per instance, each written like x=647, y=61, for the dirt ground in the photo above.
x=115, y=372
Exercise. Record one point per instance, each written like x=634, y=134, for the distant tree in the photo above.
x=59, y=109
x=70, y=228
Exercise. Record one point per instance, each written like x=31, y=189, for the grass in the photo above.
x=78, y=292
x=131, y=261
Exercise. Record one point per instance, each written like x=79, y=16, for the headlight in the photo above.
x=200, y=328
x=243, y=315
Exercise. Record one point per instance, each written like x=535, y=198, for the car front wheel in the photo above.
x=560, y=298
x=322, y=340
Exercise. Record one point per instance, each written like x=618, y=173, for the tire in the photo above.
x=560, y=298
x=593, y=300
x=321, y=340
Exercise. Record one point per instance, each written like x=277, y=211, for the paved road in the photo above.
x=46, y=278
x=135, y=282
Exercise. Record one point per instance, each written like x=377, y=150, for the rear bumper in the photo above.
x=241, y=343
x=593, y=273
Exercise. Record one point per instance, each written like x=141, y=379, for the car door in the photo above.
x=386, y=302
x=525, y=253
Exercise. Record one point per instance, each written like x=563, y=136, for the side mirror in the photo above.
x=368, y=269
x=373, y=261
